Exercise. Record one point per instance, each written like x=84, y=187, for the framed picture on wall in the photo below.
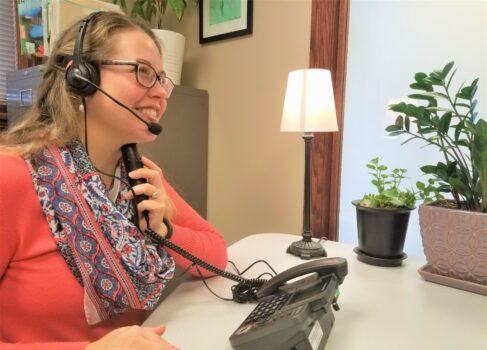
x=224, y=19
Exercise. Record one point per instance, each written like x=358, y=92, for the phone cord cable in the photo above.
x=245, y=290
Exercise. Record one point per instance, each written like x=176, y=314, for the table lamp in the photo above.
x=309, y=107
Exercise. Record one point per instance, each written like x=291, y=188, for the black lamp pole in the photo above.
x=307, y=248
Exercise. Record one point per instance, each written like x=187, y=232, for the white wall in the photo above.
x=255, y=172
x=389, y=41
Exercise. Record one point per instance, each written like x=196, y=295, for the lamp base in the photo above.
x=306, y=249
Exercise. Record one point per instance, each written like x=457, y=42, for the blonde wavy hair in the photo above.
x=54, y=118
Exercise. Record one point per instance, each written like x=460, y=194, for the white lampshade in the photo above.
x=309, y=105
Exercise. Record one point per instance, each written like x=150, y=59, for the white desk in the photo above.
x=382, y=308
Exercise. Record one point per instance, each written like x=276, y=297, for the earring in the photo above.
x=81, y=108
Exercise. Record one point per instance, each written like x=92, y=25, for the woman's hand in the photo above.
x=133, y=338
x=157, y=202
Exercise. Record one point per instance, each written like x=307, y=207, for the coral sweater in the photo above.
x=41, y=303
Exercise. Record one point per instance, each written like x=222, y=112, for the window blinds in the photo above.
x=8, y=52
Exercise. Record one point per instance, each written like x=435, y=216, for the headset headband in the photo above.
x=78, y=46
x=79, y=72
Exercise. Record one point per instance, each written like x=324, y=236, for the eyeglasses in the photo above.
x=145, y=74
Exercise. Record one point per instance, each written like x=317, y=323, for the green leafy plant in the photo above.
x=149, y=9
x=387, y=184
x=448, y=122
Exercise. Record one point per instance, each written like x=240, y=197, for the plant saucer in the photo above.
x=373, y=260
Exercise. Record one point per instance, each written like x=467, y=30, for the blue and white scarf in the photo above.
x=117, y=265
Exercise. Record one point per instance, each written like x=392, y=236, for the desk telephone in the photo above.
x=296, y=315
x=289, y=316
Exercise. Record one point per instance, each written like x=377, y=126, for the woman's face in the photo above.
x=105, y=117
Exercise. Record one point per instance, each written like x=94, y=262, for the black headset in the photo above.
x=83, y=77
x=80, y=68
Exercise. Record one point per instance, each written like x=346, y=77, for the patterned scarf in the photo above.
x=117, y=265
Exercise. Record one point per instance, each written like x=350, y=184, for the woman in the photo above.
x=75, y=266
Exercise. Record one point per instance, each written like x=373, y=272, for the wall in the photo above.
x=389, y=41
x=255, y=176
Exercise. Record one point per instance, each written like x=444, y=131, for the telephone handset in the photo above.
x=322, y=267
x=132, y=161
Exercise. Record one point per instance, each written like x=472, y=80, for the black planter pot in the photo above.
x=381, y=233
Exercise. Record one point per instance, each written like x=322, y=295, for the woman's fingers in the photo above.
x=152, y=192
x=133, y=338
x=151, y=176
x=156, y=203
x=151, y=172
x=150, y=164
x=159, y=330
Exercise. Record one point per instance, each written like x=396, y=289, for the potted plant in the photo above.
x=172, y=42
x=383, y=217
x=147, y=9
x=453, y=230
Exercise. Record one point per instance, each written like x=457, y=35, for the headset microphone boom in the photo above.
x=154, y=128
x=83, y=77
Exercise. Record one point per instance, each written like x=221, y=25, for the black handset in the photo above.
x=131, y=160
x=324, y=266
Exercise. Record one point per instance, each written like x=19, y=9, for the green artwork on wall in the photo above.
x=224, y=10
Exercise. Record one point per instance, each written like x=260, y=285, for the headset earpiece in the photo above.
x=87, y=71
x=79, y=68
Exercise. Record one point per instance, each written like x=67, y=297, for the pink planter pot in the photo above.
x=455, y=243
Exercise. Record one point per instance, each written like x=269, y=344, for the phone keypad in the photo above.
x=266, y=308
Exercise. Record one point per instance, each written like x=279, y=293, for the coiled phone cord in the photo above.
x=244, y=291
